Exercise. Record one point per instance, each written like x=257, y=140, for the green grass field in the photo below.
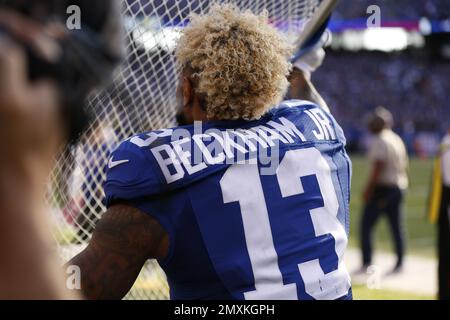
x=420, y=233
x=363, y=293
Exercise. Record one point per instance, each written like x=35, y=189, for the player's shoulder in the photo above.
x=318, y=123
x=142, y=140
x=135, y=151
x=294, y=105
x=299, y=108
x=131, y=170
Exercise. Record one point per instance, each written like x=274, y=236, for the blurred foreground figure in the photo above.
x=386, y=186
x=39, y=62
x=28, y=142
x=30, y=133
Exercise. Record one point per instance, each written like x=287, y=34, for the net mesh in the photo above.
x=140, y=98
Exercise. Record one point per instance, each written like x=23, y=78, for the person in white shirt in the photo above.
x=387, y=183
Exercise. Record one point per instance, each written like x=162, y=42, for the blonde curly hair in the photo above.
x=240, y=62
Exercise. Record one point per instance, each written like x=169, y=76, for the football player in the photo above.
x=250, y=198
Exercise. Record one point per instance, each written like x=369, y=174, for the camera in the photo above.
x=86, y=56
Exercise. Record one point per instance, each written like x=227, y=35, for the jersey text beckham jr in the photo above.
x=254, y=209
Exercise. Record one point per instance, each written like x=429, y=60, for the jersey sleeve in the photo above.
x=130, y=175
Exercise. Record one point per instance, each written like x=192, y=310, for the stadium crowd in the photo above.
x=413, y=88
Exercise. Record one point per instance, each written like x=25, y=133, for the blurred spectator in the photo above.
x=385, y=189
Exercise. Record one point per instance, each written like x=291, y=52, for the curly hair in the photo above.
x=239, y=62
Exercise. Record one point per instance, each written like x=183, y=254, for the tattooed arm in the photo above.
x=123, y=240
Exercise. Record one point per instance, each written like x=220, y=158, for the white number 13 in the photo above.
x=242, y=183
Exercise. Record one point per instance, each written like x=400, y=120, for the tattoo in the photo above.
x=123, y=240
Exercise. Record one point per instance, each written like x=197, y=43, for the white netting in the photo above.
x=141, y=98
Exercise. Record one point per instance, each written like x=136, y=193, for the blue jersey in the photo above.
x=254, y=209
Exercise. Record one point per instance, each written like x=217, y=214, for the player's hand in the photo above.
x=310, y=59
x=302, y=88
